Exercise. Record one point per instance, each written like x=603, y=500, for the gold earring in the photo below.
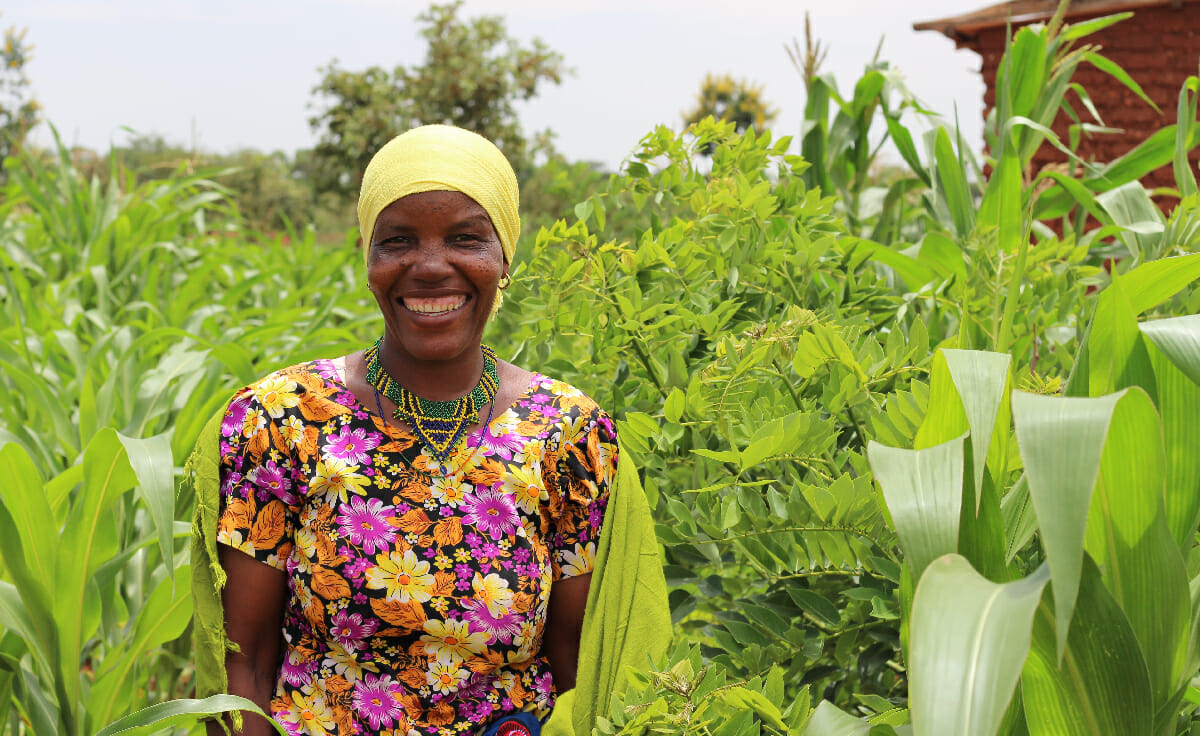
x=505, y=282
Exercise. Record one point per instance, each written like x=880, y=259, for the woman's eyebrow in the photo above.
x=473, y=221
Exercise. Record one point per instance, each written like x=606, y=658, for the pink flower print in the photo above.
x=229, y=482
x=350, y=630
x=366, y=524
x=491, y=512
x=352, y=445
x=325, y=369
x=296, y=670
x=374, y=698
x=231, y=424
x=270, y=478
x=501, y=445
x=543, y=684
x=502, y=628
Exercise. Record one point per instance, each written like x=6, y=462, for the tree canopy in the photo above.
x=472, y=76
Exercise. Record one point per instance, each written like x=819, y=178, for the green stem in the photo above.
x=1004, y=336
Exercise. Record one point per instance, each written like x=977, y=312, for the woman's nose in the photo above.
x=432, y=261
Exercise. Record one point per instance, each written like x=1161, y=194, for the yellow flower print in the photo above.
x=233, y=538
x=449, y=490
x=292, y=430
x=346, y=664
x=580, y=562
x=306, y=544
x=335, y=476
x=253, y=421
x=493, y=592
x=526, y=482
x=275, y=394
x=452, y=641
x=444, y=677
x=573, y=430
x=313, y=714
x=404, y=577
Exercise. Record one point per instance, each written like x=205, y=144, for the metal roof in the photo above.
x=1020, y=12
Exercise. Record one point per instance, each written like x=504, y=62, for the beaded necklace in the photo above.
x=439, y=425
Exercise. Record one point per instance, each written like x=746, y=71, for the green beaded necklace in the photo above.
x=439, y=425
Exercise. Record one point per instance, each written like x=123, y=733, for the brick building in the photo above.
x=1159, y=47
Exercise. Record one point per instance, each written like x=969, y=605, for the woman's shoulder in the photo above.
x=320, y=381
x=298, y=377
x=564, y=394
x=568, y=406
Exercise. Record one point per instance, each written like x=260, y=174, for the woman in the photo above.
x=408, y=532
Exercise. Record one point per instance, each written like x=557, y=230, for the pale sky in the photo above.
x=227, y=74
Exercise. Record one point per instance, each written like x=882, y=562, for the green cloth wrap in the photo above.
x=627, y=621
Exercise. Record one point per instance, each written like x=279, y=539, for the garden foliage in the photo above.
x=877, y=514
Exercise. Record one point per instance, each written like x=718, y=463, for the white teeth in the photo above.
x=435, y=306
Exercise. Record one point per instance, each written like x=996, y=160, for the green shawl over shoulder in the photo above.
x=627, y=618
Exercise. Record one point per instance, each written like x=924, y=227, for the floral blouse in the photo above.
x=418, y=593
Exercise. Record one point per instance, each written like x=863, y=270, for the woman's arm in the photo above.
x=254, y=598
x=564, y=626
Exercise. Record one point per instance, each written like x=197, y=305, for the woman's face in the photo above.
x=434, y=267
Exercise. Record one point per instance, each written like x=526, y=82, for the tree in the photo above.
x=18, y=109
x=472, y=76
x=726, y=98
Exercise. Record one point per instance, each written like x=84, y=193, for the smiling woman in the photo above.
x=409, y=532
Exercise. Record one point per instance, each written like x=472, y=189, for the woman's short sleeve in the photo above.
x=258, y=499
x=587, y=465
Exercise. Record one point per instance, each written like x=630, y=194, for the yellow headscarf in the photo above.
x=442, y=158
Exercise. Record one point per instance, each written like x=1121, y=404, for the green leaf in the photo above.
x=179, y=713
x=923, y=492
x=904, y=144
x=1127, y=534
x=88, y=539
x=1185, y=121
x=829, y=720
x=1129, y=206
x=953, y=185
x=24, y=496
x=1116, y=354
x=741, y=698
x=910, y=270
x=943, y=255
x=1099, y=684
x=1078, y=30
x=1179, y=340
x=968, y=642
x=1020, y=522
x=1175, y=357
x=1151, y=284
x=817, y=605
x=163, y=618
x=1062, y=441
x=980, y=379
x=1115, y=71
x=153, y=464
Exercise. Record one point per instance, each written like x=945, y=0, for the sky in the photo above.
x=220, y=75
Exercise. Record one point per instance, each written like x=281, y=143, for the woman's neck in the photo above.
x=436, y=380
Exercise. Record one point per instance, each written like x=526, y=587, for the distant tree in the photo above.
x=472, y=76
x=18, y=109
x=726, y=98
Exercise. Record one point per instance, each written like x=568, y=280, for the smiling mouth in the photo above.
x=439, y=305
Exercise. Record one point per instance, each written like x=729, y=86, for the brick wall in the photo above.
x=1159, y=47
